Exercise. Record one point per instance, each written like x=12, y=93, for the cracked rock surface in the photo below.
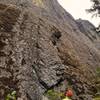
x=42, y=47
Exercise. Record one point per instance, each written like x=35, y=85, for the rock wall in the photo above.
x=41, y=47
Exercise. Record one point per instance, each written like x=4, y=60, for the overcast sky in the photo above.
x=77, y=8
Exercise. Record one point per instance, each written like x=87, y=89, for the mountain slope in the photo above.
x=42, y=47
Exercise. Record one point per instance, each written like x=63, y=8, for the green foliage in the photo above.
x=54, y=95
x=11, y=96
x=97, y=79
x=96, y=98
x=98, y=72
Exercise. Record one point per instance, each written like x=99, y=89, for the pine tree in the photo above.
x=95, y=9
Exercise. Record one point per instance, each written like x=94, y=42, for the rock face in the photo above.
x=89, y=30
x=42, y=46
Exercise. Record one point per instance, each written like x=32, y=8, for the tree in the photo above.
x=95, y=9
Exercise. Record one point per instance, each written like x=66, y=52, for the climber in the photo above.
x=68, y=94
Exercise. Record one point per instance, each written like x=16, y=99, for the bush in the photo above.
x=54, y=95
x=11, y=96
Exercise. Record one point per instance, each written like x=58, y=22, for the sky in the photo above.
x=77, y=8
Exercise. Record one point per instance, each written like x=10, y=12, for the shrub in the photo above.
x=54, y=95
x=11, y=96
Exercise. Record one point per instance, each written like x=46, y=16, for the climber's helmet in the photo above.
x=69, y=93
